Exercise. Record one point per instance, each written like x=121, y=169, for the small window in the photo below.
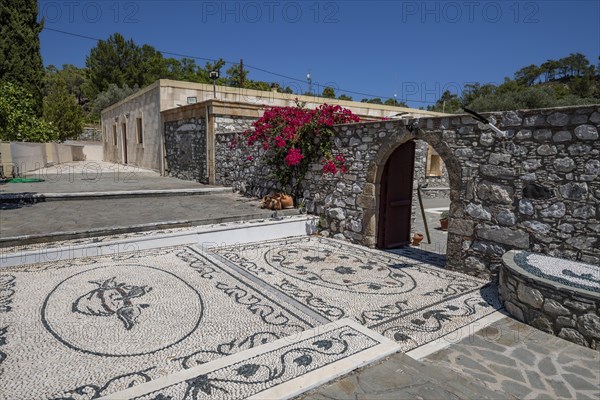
x=114, y=135
x=435, y=164
x=139, y=132
x=192, y=100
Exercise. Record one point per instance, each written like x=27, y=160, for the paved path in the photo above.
x=506, y=360
x=96, y=176
x=111, y=214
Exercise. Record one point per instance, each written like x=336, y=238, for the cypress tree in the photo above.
x=20, y=58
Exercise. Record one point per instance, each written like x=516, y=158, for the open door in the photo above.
x=396, y=198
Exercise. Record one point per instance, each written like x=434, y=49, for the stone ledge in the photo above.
x=565, y=311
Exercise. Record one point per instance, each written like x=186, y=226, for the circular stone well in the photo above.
x=561, y=297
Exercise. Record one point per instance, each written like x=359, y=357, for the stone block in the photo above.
x=477, y=211
x=555, y=309
x=564, y=164
x=530, y=296
x=495, y=192
x=562, y=136
x=514, y=311
x=558, y=119
x=586, y=132
x=573, y=336
x=589, y=325
x=505, y=235
x=506, y=217
x=556, y=210
x=537, y=227
x=336, y=213
x=574, y=191
x=492, y=249
x=585, y=212
x=542, y=135
x=526, y=207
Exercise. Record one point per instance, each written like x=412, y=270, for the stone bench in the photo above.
x=561, y=297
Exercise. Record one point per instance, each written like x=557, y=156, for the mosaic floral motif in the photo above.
x=254, y=375
x=112, y=298
x=114, y=385
x=7, y=291
x=226, y=349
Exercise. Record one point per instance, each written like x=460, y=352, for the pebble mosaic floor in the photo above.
x=89, y=327
x=570, y=273
x=405, y=300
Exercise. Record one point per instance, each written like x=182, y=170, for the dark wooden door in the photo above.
x=396, y=198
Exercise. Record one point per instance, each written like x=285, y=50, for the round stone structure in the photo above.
x=561, y=297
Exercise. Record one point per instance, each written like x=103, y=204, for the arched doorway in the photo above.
x=395, y=201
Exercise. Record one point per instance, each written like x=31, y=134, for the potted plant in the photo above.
x=444, y=220
x=416, y=239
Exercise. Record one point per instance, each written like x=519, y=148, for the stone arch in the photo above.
x=375, y=172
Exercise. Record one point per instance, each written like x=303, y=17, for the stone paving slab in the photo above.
x=405, y=300
x=524, y=362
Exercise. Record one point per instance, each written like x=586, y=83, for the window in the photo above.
x=139, y=132
x=192, y=100
x=124, y=130
x=435, y=164
x=114, y=135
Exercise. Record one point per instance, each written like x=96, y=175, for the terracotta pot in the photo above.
x=444, y=224
x=416, y=239
x=286, y=201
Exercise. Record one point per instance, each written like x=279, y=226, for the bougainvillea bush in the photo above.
x=295, y=137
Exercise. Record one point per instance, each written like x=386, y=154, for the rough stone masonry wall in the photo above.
x=185, y=145
x=537, y=187
x=553, y=308
x=232, y=124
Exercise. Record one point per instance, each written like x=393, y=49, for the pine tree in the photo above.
x=20, y=59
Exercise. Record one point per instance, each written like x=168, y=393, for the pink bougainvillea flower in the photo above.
x=249, y=158
x=293, y=157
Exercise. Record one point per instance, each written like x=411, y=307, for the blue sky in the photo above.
x=414, y=49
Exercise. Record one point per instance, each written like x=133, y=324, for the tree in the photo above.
x=114, y=61
x=448, y=102
x=110, y=96
x=20, y=59
x=328, y=92
x=527, y=75
x=237, y=76
x=345, y=97
x=18, y=120
x=62, y=111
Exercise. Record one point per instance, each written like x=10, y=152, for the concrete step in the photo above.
x=32, y=198
x=120, y=230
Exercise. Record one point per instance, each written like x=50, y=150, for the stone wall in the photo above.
x=534, y=187
x=185, y=145
x=554, y=308
x=232, y=124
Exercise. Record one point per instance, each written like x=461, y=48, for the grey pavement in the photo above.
x=96, y=176
x=506, y=360
x=111, y=216
x=439, y=238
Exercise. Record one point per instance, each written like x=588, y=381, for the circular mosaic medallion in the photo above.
x=122, y=310
x=354, y=273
